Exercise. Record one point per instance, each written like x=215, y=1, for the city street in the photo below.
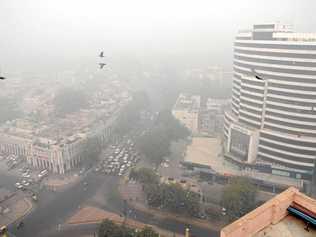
x=54, y=208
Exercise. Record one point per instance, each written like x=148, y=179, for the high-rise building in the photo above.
x=273, y=108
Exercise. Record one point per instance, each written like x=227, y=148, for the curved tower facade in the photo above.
x=273, y=106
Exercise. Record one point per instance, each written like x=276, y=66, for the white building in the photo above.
x=186, y=110
x=273, y=119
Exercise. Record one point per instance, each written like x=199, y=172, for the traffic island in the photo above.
x=133, y=194
x=14, y=209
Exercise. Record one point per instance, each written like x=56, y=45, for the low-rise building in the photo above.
x=186, y=110
x=211, y=117
x=57, y=145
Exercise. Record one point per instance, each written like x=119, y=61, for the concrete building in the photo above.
x=273, y=119
x=57, y=144
x=211, y=117
x=275, y=219
x=186, y=110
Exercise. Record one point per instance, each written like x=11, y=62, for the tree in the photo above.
x=239, y=197
x=155, y=143
x=69, y=100
x=144, y=176
x=91, y=150
x=130, y=114
x=147, y=232
x=8, y=109
x=173, y=128
x=172, y=197
x=109, y=229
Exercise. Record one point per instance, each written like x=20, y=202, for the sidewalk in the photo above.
x=19, y=208
x=139, y=204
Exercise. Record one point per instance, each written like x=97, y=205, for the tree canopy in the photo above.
x=155, y=143
x=130, y=114
x=144, y=176
x=109, y=229
x=171, y=197
x=8, y=109
x=91, y=150
x=69, y=100
x=174, y=198
x=239, y=197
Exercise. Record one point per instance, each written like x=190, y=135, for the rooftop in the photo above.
x=188, y=102
x=290, y=226
x=273, y=219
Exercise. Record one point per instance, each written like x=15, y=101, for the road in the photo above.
x=54, y=208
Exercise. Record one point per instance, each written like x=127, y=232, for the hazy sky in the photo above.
x=43, y=32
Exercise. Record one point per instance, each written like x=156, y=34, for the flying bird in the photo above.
x=101, y=54
x=102, y=65
x=256, y=75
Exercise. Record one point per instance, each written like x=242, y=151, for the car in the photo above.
x=24, y=181
x=17, y=184
x=20, y=186
x=34, y=197
x=26, y=184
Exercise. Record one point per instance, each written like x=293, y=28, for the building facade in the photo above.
x=273, y=108
x=57, y=156
x=186, y=110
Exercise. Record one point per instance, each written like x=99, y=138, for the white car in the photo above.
x=26, y=184
x=20, y=186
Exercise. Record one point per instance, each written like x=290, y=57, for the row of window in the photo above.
x=251, y=89
x=275, y=127
x=250, y=110
x=275, y=69
x=312, y=105
x=277, y=62
x=276, y=54
x=280, y=78
x=290, y=125
x=288, y=116
x=249, y=123
x=276, y=46
x=292, y=94
x=285, y=156
x=287, y=149
x=290, y=165
x=249, y=116
x=293, y=87
x=289, y=109
x=251, y=96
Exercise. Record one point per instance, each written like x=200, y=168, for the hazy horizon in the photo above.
x=58, y=35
